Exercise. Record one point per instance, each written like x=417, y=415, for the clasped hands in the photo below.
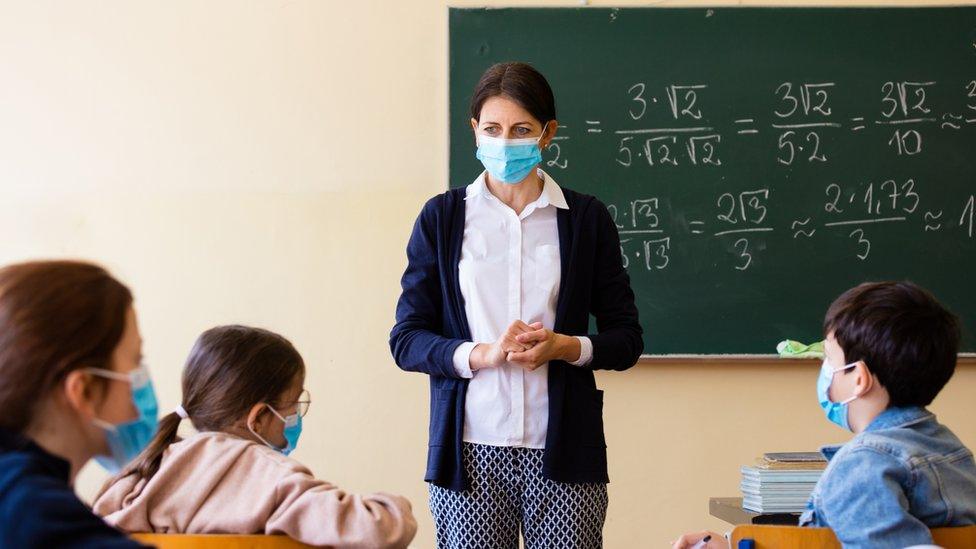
x=526, y=345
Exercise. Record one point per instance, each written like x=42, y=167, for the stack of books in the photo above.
x=781, y=482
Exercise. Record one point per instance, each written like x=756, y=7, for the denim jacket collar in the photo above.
x=898, y=417
x=888, y=419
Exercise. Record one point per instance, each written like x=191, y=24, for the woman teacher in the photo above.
x=501, y=280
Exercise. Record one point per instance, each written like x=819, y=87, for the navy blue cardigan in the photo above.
x=38, y=507
x=431, y=324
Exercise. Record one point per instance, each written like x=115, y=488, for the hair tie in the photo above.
x=181, y=411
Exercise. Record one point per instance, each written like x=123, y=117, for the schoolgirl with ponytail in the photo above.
x=243, y=394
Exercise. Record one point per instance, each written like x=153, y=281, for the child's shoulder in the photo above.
x=241, y=451
x=896, y=450
x=860, y=454
x=920, y=439
x=861, y=470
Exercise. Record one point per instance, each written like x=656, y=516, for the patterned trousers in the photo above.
x=508, y=494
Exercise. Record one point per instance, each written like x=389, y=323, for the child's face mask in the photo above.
x=293, y=430
x=126, y=440
x=836, y=412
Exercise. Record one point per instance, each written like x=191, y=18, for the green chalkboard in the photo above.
x=759, y=161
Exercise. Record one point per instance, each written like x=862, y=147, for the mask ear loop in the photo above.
x=543, y=134
x=538, y=143
x=261, y=438
x=104, y=425
x=841, y=369
x=114, y=376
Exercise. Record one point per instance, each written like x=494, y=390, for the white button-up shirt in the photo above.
x=509, y=270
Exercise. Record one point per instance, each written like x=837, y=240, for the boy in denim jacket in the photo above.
x=890, y=348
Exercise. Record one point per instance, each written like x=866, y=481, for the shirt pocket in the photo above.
x=547, y=268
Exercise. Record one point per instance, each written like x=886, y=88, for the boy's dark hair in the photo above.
x=904, y=335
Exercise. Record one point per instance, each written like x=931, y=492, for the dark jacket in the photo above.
x=38, y=507
x=431, y=324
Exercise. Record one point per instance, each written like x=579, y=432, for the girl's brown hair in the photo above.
x=55, y=317
x=229, y=370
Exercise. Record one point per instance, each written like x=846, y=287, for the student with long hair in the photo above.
x=243, y=392
x=72, y=387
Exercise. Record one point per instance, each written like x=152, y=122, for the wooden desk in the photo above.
x=730, y=510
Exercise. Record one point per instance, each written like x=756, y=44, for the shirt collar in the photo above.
x=479, y=187
x=552, y=194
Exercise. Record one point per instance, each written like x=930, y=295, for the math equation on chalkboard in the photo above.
x=802, y=127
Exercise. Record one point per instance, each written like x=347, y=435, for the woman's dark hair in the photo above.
x=55, y=317
x=903, y=334
x=229, y=370
x=521, y=83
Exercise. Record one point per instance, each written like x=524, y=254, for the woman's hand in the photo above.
x=687, y=541
x=544, y=345
x=486, y=355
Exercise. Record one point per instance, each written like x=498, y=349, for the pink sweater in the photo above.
x=216, y=483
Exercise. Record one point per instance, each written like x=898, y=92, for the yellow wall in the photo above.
x=262, y=162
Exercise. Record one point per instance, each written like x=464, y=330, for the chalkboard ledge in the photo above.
x=965, y=359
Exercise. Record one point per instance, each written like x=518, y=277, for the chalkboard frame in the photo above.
x=454, y=181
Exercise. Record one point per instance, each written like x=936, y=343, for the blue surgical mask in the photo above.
x=293, y=430
x=509, y=160
x=836, y=412
x=126, y=440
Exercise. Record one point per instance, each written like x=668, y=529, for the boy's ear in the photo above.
x=865, y=379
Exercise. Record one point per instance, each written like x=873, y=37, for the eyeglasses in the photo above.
x=303, y=402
